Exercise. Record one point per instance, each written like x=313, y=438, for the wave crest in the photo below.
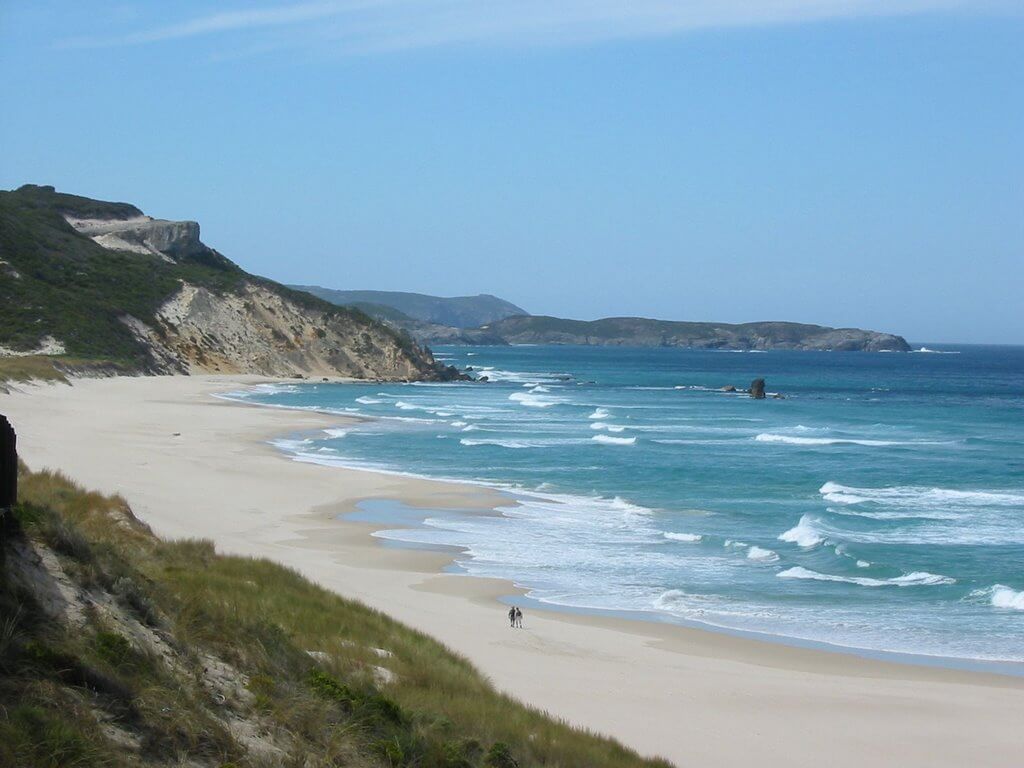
x=804, y=534
x=690, y=538
x=912, y=579
x=609, y=440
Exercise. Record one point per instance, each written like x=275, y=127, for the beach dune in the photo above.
x=193, y=465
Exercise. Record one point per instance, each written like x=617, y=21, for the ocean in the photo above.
x=879, y=505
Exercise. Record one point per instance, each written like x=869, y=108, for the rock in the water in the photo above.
x=757, y=389
x=728, y=388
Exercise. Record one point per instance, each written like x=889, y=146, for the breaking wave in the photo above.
x=532, y=401
x=609, y=440
x=803, y=534
x=771, y=437
x=911, y=495
x=762, y=555
x=913, y=579
x=690, y=538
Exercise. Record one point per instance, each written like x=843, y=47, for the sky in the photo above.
x=842, y=162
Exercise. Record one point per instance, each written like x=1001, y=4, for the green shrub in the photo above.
x=113, y=648
x=500, y=756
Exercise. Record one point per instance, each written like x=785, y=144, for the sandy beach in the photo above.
x=192, y=465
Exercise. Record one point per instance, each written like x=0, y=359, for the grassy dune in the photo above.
x=56, y=368
x=166, y=653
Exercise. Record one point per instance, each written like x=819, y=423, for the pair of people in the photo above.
x=515, y=618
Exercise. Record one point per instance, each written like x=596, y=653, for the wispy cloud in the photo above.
x=361, y=26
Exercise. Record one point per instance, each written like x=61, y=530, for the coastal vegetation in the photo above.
x=121, y=649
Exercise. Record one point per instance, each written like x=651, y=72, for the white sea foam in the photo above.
x=368, y=400
x=336, y=432
x=762, y=555
x=926, y=351
x=863, y=564
x=409, y=419
x=772, y=437
x=459, y=424
x=804, y=534
x=910, y=495
x=513, y=443
x=668, y=599
x=528, y=378
x=687, y=537
x=913, y=579
x=607, y=426
x=532, y=401
x=609, y=440
x=1004, y=597
x=599, y=413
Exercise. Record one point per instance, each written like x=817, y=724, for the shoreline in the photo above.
x=660, y=688
x=511, y=497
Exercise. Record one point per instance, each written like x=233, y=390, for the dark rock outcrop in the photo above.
x=728, y=388
x=8, y=465
x=757, y=389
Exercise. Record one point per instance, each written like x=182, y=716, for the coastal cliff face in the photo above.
x=643, y=332
x=100, y=280
x=255, y=330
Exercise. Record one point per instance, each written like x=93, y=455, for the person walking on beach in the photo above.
x=518, y=621
x=512, y=617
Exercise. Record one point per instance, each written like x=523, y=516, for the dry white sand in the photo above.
x=696, y=697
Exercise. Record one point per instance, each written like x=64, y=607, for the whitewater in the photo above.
x=878, y=506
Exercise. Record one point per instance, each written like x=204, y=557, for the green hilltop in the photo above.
x=99, y=280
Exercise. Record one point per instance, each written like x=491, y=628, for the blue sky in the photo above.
x=845, y=162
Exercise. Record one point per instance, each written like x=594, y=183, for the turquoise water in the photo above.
x=879, y=506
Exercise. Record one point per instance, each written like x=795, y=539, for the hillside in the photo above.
x=455, y=312
x=635, y=331
x=119, y=649
x=99, y=280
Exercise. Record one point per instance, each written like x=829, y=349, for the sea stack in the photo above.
x=757, y=389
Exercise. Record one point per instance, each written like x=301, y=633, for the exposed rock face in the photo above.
x=757, y=389
x=170, y=240
x=256, y=330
